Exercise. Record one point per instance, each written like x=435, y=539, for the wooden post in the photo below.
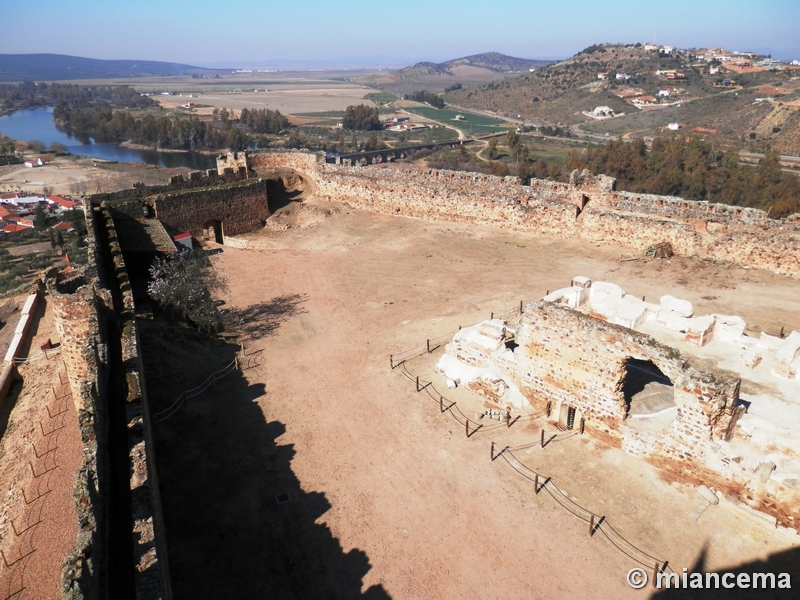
x=583, y=424
x=591, y=526
x=508, y=417
x=655, y=574
x=417, y=382
x=492, y=450
x=235, y=363
x=48, y=358
x=549, y=407
x=781, y=331
x=542, y=442
x=492, y=317
x=536, y=484
x=548, y=293
x=391, y=361
x=428, y=345
x=243, y=351
x=466, y=424
x=54, y=393
x=520, y=307
x=459, y=327
x=642, y=298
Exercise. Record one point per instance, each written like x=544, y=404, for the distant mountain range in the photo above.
x=59, y=67
x=493, y=61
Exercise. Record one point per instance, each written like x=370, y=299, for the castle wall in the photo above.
x=93, y=313
x=587, y=207
x=240, y=207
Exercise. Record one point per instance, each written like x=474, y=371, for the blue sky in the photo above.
x=203, y=33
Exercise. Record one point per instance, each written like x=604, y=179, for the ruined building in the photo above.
x=621, y=369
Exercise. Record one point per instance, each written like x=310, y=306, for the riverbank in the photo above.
x=155, y=148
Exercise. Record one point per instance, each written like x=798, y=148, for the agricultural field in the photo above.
x=477, y=124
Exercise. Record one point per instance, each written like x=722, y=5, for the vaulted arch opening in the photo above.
x=649, y=395
x=212, y=231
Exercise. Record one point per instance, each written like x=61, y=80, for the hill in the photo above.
x=561, y=92
x=492, y=61
x=467, y=71
x=61, y=67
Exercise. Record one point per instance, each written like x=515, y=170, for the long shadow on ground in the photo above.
x=774, y=573
x=263, y=319
x=238, y=523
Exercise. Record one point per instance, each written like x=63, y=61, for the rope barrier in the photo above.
x=597, y=523
x=610, y=534
x=18, y=360
x=194, y=392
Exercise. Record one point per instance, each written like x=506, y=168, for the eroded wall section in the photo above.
x=587, y=207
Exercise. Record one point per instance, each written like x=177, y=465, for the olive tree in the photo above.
x=184, y=284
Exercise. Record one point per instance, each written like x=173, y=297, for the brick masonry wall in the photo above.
x=587, y=207
x=564, y=357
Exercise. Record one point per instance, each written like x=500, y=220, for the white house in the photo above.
x=34, y=162
x=674, y=126
x=663, y=93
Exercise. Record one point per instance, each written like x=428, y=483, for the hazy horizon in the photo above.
x=316, y=32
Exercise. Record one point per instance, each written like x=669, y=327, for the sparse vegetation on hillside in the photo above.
x=493, y=61
x=55, y=67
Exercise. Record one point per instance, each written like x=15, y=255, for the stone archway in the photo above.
x=649, y=395
x=212, y=231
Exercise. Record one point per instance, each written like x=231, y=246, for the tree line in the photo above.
x=361, y=118
x=673, y=166
x=263, y=120
x=107, y=125
x=29, y=94
x=427, y=97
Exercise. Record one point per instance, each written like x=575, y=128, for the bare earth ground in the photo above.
x=41, y=449
x=71, y=176
x=287, y=98
x=386, y=496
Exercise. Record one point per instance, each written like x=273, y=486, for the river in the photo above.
x=38, y=124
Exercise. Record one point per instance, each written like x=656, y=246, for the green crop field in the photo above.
x=471, y=122
x=381, y=97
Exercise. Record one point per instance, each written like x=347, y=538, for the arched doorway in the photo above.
x=649, y=394
x=212, y=231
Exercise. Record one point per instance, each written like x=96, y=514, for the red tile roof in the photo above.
x=13, y=228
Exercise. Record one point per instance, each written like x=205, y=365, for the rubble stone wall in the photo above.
x=587, y=207
x=88, y=306
x=240, y=207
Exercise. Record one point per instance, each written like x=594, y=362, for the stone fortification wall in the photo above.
x=197, y=179
x=587, y=207
x=93, y=313
x=240, y=207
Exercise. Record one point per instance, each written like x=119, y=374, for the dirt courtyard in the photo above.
x=76, y=176
x=318, y=472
